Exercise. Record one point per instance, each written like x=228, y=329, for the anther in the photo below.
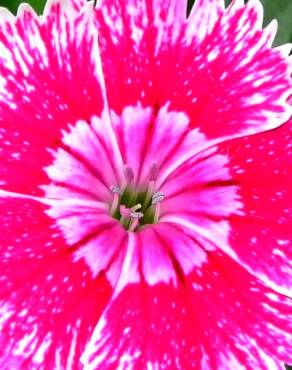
x=115, y=190
x=137, y=215
x=157, y=197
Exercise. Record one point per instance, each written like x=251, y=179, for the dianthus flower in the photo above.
x=145, y=187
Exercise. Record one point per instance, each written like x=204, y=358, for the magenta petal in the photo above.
x=142, y=225
x=44, y=88
x=261, y=237
x=202, y=187
x=218, y=67
x=237, y=197
x=204, y=322
x=47, y=306
x=250, y=325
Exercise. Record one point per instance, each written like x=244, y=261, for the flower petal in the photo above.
x=203, y=17
x=237, y=196
x=43, y=88
x=261, y=237
x=70, y=6
x=146, y=137
x=224, y=75
x=84, y=165
x=203, y=322
x=249, y=323
x=51, y=294
x=202, y=187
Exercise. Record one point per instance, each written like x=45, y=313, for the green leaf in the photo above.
x=282, y=11
x=12, y=5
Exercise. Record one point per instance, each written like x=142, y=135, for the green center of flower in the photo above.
x=136, y=208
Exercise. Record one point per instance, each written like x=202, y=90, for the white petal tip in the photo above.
x=271, y=31
x=6, y=15
x=66, y=6
x=236, y=4
x=25, y=8
x=285, y=49
x=258, y=6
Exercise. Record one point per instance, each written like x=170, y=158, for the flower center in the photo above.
x=134, y=206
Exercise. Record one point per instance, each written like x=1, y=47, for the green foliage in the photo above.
x=12, y=5
x=282, y=11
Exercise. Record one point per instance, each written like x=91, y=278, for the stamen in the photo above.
x=135, y=216
x=117, y=193
x=129, y=175
x=115, y=189
x=154, y=171
x=157, y=197
x=156, y=200
x=125, y=215
x=125, y=206
x=152, y=178
x=130, y=213
x=156, y=213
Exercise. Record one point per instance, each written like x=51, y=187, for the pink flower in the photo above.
x=145, y=201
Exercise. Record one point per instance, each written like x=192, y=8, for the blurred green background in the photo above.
x=279, y=9
x=12, y=5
